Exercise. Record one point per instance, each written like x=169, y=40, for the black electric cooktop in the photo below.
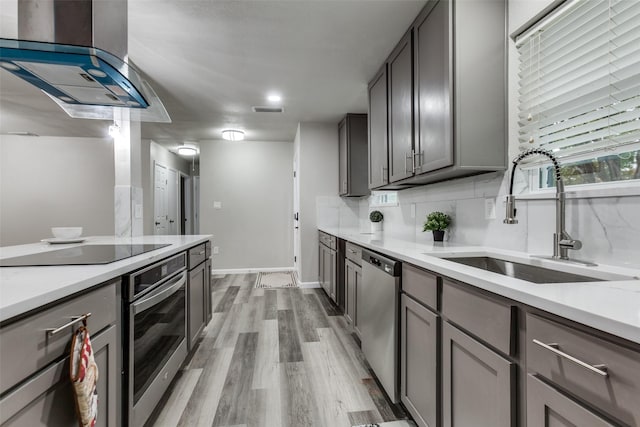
x=80, y=255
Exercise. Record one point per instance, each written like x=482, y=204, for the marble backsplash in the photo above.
x=607, y=226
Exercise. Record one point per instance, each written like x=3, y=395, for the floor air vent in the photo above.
x=267, y=109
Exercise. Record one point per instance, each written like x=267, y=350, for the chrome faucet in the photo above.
x=562, y=241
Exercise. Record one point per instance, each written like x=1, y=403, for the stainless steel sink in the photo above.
x=530, y=273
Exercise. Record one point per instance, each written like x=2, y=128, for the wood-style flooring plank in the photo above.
x=234, y=402
x=289, y=344
x=388, y=411
x=227, y=300
x=284, y=299
x=359, y=418
x=231, y=327
x=243, y=296
x=181, y=392
x=266, y=371
x=270, y=304
x=298, y=407
x=257, y=412
x=350, y=347
x=202, y=406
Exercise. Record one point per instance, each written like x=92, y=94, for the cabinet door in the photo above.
x=419, y=354
x=478, y=384
x=209, y=296
x=46, y=399
x=350, y=291
x=320, y=265
x=333, y=283
x=378, y=130
x=547, y=407
x=196, y=307
x=401, y=110
x=432, y=86
x=357, y=285
x=344, y=158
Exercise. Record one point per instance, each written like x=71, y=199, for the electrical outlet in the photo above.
x=413, y=210
x=216, y=250
x=490, y=208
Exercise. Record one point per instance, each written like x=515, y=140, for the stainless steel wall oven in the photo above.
x=155, y=327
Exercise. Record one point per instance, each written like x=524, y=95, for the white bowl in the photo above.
x=66, y=232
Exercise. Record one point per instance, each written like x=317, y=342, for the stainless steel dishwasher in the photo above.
x=378, y=316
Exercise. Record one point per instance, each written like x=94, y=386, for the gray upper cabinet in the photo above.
x=378, y=130
x=478, y=384
x=352, y=134
x=432, y=89
x=447, y=95
x=401, y=110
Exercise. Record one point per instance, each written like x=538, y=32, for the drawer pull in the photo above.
x=201, y=253
x=75, y=319
x=352, y=251
x=553, y=347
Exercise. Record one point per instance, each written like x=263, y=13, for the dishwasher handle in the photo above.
x=388, y=265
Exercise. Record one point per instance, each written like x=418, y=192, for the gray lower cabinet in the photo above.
x=208, y=290
x=478, y=385
x=46, y=399
x=353, y=283
x=327, y=264
x=197, y=302
x=548, y=407
x=419, y=361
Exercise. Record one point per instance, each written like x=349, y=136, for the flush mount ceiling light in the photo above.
x=233, y=135
x=188, y=149
x=274, y=97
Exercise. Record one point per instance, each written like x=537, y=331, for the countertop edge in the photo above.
x=119, y=268
x=599, y=321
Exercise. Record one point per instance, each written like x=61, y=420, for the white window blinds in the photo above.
x=579, y=93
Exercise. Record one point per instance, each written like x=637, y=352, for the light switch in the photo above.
x=216, y=250
x=217, y=205
x=138, y=211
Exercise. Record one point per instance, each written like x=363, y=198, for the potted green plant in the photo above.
x=437, y=222
x=376, y=218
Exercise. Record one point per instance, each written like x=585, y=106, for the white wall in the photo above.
x=318, y=172
x=51, y=181
x=607, y=226
x=253, y=182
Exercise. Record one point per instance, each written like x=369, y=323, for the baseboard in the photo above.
x=309, y=285
x=248, y=270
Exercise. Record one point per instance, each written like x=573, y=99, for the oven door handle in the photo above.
x=160, y=294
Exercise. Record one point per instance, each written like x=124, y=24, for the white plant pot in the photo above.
x=376, y=227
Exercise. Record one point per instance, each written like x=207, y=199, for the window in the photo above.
x=579, y=92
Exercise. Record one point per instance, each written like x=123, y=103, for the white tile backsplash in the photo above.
x=607, y=226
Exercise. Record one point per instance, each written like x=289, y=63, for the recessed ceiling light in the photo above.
x=233, y=135
x=274, y=98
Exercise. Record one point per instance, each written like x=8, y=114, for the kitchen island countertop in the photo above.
x=23, y=289
x=611, y=306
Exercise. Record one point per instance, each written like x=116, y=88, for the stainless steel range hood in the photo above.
x=76, y=52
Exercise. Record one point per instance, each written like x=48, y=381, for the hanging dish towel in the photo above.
x=84, y=377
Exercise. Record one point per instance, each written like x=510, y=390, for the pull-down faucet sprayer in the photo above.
x=562, y=241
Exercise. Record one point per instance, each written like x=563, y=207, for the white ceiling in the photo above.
x=211, y=61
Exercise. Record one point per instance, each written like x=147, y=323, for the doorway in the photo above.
x=186, y=219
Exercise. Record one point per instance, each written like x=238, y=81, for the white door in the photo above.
x=172, y=201
x=160, y=214
x=296, y=217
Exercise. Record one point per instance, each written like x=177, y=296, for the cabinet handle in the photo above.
x=554, y=348
x=408, y=156
x=418, y=164
x=201, y=253
x=75, y=319
x=352, y=251
x=385, y=178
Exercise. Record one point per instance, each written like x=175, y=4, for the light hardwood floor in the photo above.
x=274, y=357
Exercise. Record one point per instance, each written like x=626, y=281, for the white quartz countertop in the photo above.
x=610, y=306
x=25, y=288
